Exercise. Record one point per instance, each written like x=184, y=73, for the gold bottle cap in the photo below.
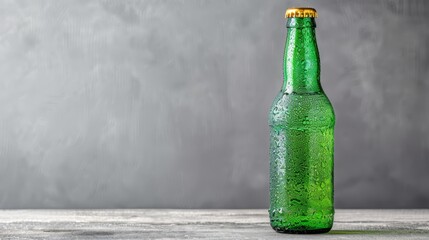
x=301, y=13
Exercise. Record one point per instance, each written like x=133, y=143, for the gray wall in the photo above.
x=164, y=103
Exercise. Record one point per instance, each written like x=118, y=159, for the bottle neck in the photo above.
x=301, y=67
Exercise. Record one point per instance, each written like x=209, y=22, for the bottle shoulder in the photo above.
x=302, y=109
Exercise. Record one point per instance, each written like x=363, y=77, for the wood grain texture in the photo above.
x=201, y=224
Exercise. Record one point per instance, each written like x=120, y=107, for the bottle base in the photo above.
x=302, y=231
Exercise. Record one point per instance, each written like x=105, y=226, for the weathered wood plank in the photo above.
x=201, y=224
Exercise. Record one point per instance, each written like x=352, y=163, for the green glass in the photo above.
x=301, y=123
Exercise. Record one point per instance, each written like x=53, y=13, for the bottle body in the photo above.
x=301, y=163
x=301, y=123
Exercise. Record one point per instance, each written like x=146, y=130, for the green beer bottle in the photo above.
x=301, y=123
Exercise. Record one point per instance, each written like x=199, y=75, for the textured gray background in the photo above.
x=164, y=103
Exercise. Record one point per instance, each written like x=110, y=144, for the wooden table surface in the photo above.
x=202, y=224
